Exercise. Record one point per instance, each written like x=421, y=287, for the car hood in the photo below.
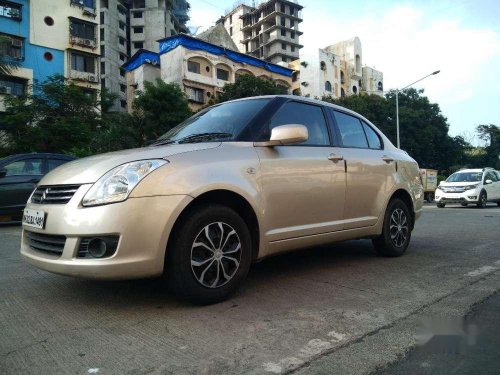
x=89, y=170
x=458, y=184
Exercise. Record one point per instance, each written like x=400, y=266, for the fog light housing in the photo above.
x=98, y=247
x=472, y=197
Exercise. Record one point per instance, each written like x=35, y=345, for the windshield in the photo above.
x=465, y=177
x=219, y=123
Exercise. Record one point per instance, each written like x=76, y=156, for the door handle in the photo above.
x=335, y=158
x=387, y=159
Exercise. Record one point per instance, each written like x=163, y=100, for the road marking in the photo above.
x=93, y=370
x=481, y=271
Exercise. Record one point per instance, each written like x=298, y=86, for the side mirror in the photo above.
x=286, y=134
x=3, y=173
x=487, y=182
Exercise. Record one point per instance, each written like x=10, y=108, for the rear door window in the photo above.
x=311, y=116
x=351, y=130
x=373, y=138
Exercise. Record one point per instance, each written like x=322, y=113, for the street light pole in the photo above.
x=397, y=102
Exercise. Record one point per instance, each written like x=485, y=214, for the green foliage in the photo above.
x=247, y=85
x=159, y=108
x=423, y=128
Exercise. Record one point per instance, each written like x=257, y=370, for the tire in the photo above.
x=227, y=266
x=440, y=205
x=463, y=204
x=394, y=243
x=498, y=204
x=483, y=199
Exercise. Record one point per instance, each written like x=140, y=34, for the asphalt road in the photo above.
x=338, y=309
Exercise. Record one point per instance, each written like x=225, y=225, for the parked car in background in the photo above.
x=470, y=186
x=19, y=175
x=236, y=182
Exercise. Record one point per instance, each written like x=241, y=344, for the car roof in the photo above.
x=36, y=154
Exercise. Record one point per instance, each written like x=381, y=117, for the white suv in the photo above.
x=476, y=186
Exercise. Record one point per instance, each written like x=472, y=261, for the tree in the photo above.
x=247, y=85
x=159, y=108
x=490, y=134
x=423, y=128
x=7, y=65
x=54, y=116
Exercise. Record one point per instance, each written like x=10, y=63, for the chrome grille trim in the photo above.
x=58, y=194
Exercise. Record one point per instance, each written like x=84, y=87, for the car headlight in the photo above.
x=118, y=183
x=471, y=187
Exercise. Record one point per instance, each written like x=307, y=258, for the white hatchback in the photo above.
x=475, y=186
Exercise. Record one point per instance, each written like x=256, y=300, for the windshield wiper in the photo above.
x=193, y=138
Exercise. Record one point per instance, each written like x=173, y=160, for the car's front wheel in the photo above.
x=210, y=255
x=440, y=205
x=482, y=200
x=396, y=232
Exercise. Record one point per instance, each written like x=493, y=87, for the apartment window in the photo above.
x=121, y=9
x=123, y=104
x=283, y=32
x=292, y=34
x=195, y=95
x=283, y=46
x=10, y=10
x=123, y=88
x=121, y=40
x=292, y=10
x=102, y=18
x=121, y=25
x=12, y=86
x=292, y=48
x=138, y=30
x=283, y=21
x=103, y=83
x=138, y=45
x=122, y=57
x=328, y=86
x=137, y=14
x=230, y=19
x=82, y=63
x=122, y=73
x=13, y=47
x=102, y=51
x=193, y=67
x=104, y=4
x=103, y=67
x=284, y=59
x=139, y=4
x=282, y=8
x=222, y=74
x=102, y=35
x=231, y=31
x=82, y=30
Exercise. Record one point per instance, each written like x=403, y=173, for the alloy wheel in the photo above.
x=215, y=255
x=399, y=227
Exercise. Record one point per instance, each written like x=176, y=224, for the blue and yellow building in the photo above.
x=47, y=37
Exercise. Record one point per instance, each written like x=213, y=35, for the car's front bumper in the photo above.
x=469, y=196
x=142, y=224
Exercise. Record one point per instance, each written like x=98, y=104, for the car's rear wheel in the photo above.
x=483, y=199
x=440, y=205
x=396, y=232
x=210, y=255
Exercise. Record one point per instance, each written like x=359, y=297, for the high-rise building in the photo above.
x=335, y=71
x=269, y=31
x=46, y=37
x=128, y=26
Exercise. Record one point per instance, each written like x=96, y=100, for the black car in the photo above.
x=19, y=175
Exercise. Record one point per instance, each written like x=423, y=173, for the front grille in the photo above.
x=46, y=243
x=60, y=194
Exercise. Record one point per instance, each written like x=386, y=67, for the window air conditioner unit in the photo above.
x=92, y=78
x=17, y=43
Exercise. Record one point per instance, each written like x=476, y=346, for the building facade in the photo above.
x=127, y=26
x=47, y=37
x=269, y=31
x=336, y=71
x=200, y=68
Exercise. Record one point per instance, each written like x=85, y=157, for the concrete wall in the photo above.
x=373, y=81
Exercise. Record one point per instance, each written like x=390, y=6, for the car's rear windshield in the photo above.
x=465, y=177
x=223, y=122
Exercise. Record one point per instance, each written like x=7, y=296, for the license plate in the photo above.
x=34, y=218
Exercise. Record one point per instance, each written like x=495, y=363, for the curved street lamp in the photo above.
x=397, y=101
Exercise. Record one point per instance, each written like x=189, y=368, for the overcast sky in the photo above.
x=406, y=40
